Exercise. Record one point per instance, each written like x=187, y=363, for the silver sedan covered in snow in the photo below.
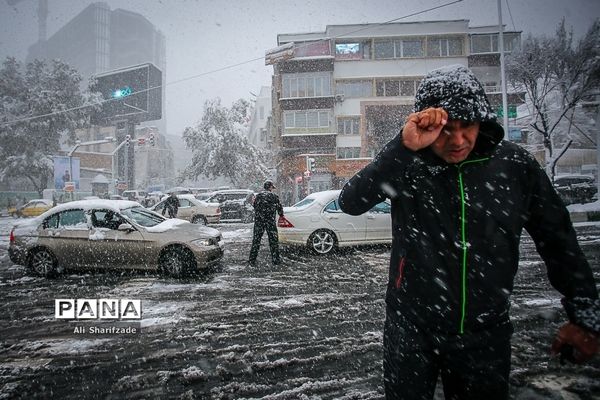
x=112, y=234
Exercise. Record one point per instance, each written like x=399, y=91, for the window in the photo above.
x=306, y=85
x=106, y=219
x=357, y=88
x=407, y=88
x=353, y=50
x=51, y=222
x=184, y=203
x=384, y=49
x=381, y=208
x=332, y=207
x=399, y=48
x=412, y=48
x=488, y=43
x=348, y=126
x=348, y=152
x=395, y=87
x=303, y=203
x=445, y=47
x=306, y=119
x=261, y=111
x=72, y=219
x=311, y=49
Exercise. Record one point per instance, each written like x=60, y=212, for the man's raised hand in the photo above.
x=423, y=128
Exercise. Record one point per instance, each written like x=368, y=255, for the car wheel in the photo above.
x=177, y=262
x=42, y=262
x=322, y=241
x=199, y=219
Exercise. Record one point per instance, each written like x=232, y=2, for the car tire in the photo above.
x=322, y=242
x=177, y=262
x=199, y=219
x=43, y=263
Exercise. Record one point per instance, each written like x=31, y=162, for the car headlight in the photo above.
x=203, y=242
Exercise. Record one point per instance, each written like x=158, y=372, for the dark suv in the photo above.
x=234, y=204
x=575, y=188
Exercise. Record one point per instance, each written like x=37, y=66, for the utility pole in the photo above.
x=502, y=73
x=598, y=148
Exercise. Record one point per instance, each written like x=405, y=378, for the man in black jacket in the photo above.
x=461, y=197
x=266, y=205
x=171, y=206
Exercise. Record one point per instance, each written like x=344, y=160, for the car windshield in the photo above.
x=142, y=216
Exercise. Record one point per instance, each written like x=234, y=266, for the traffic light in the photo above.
x=122, y=92
x=311, y=164
x=152, y=142
x=127, y=139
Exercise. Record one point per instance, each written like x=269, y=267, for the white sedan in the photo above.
x=193, y=210
x=317, y=222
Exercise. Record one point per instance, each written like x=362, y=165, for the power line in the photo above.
x=511, y=17
x=24, y=119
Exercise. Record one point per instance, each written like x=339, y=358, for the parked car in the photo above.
x=318, y=223
x=116, y=197
x=134, y=195
x=194, y=210
x=235, y=203
x=32, y=208
x=575, y=188
x=112, y=234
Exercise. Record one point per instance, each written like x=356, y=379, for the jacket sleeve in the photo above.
x=278, y=206
x=550, y=227
x=373, y=183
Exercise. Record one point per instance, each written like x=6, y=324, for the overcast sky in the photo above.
x=204, y=36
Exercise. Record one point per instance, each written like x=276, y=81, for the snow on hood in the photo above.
x=166, y=225
x=182, y=225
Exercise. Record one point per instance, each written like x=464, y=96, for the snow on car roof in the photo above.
x=187, y=196
x=324, y=195
x=115, y=205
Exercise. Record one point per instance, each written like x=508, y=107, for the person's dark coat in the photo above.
x=171, y=206
x=456, y=232
x=266, y=205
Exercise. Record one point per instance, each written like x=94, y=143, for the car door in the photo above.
x=379, y=222
x=185, y=210
x=112, y=248
x=347, y=228
x=66, y=234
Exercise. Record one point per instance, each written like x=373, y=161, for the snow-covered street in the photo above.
x=311, y=329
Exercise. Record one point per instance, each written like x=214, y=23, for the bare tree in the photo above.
x=556, y=76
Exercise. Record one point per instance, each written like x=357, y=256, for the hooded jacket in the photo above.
x=456, y=227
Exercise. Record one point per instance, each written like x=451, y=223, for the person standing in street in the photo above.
x=461, y=197
x=266, y=206
x=171, y=206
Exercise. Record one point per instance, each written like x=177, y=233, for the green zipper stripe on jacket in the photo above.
x=463, y=240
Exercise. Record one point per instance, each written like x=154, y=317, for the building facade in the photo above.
x=338, y=96
x=99, y=39
x=258, y=132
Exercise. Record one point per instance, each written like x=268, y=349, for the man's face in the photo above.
x=456, y=146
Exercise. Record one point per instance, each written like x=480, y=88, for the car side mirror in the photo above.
x=125, y=228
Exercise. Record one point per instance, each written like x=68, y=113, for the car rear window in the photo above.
x=72, y=219
x=303, y=203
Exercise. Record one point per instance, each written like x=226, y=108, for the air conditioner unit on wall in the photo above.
x=339, y=97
